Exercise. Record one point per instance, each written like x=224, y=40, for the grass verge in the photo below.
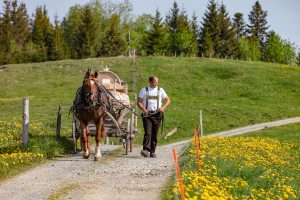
x=261, y=165
x=42, y=145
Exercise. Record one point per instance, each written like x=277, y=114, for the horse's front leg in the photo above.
x=84, y=140
x=99, y=127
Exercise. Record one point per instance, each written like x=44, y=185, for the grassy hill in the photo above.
x=230, y=93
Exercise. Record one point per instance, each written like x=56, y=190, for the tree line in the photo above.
x=103, y=28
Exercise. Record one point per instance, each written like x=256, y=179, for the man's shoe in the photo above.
x=152, y=155
x=145, y=153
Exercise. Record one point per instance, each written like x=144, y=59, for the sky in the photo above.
x=283, y=15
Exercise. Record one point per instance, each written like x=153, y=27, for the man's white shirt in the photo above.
x=152, y=103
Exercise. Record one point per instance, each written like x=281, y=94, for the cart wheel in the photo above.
x=74, y=136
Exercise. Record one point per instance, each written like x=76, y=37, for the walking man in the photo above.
x=150, y=102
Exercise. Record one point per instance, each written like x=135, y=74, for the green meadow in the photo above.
x=259, y=165
x=230, y=93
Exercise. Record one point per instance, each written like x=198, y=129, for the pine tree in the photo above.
x=59, y=42
x=239, y=25
x=257, y=27
x=195, y=27
x=154, y=40
x=87, y=34
x=210, y=30
x=113, y=43
x=42, y=35
x=172, y=26
x=227, y=43
x=181, y=37
x=14, y=32
x=5, y=31
x=187, y=42
x=70, y=27
x=208, y=44
x=20, y=24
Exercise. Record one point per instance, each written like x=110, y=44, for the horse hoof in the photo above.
x=86, y=155
x=96, y=158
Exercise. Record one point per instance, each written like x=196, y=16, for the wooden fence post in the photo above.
x=201, y=126
x=25, y=121
x=58, y=123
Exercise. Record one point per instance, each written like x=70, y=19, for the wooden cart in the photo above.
x=120, y=122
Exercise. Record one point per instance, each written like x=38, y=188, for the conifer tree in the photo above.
x=5, y=31
x=154, y=40
x=20, y=24
x=257, y=27
x=87, y=34
x=187, y=42
x=207, y=45
x=14, y=32
x=113, y=43
x=239, y=25
x=42, y=35
x=172, y=26
x=210, y=30
x=195, y=30
x=195, y=27
x=227, y=43
x=59, y=42
x=70, y=27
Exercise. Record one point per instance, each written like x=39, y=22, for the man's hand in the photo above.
x=145, y=112
x=140, y=105
x=167, y=102
x=162, y=109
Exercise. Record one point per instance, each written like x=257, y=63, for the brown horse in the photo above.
x=90, y=105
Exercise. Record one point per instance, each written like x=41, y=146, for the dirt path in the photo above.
x=114, y=177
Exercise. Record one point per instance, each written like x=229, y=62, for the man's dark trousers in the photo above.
x=151, y=125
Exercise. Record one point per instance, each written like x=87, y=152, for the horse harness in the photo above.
x=85, y=104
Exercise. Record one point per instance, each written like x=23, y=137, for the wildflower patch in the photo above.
x=241, y=168
x=13, y=157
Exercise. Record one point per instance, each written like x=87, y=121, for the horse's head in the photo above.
x=90, y=86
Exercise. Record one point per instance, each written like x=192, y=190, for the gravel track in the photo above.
x=114, y=177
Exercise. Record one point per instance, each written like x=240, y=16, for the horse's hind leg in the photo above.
x=84, y=139
x=99, y=128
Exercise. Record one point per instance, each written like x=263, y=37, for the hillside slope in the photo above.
x=230, y=93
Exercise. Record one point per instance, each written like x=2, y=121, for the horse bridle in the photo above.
x=95, y=101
